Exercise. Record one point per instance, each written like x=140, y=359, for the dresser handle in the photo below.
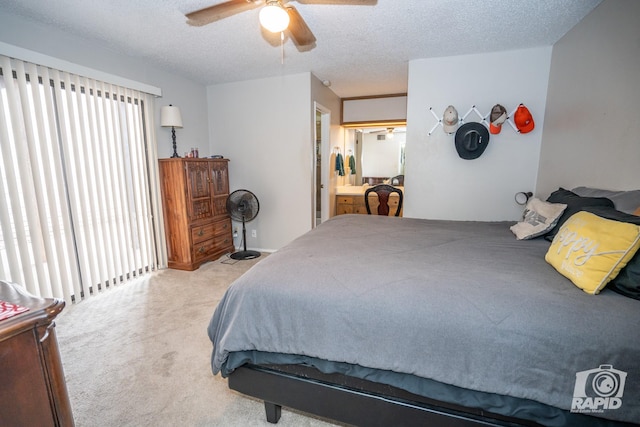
x=201, y=232
x=201, y=250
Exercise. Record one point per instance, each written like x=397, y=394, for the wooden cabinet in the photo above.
x=33, y=391
x=351, y=205
x=194, y=195
x=354, y=204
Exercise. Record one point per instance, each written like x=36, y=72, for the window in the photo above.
x=79, y=179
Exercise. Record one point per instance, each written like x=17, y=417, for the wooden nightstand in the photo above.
x=33, y=391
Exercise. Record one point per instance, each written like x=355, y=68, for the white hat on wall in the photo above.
x=450, y=119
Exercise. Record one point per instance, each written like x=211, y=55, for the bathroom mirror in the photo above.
x=379, y=154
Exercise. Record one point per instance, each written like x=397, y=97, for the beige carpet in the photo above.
x=138, y=355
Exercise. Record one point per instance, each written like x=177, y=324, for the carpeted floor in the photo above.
x=138, y=355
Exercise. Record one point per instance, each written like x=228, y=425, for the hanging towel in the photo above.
x=339, y=164
x=352, y=165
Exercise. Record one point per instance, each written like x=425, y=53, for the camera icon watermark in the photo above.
x=597, y=390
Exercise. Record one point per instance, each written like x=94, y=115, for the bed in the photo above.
x=373, y=320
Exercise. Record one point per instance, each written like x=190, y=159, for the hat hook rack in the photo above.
x=438, y=121
x=473, y=109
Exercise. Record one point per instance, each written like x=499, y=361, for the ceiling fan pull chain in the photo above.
x=282, y=47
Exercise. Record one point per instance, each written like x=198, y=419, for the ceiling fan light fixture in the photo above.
x=273, y=17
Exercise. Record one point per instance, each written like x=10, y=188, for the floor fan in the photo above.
x=243, y=205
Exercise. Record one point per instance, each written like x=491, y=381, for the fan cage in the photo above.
x=243, y=205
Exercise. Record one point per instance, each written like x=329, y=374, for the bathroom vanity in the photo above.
x=350, y=200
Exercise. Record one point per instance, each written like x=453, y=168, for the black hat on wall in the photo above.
x=471, y=140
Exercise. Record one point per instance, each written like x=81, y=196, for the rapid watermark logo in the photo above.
x=599, y=389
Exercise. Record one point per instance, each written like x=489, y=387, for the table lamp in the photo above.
x=170, y=117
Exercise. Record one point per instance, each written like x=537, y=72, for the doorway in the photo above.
x=321, y=141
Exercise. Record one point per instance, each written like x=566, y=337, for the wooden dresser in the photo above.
x=197, y=226
x=33, y=391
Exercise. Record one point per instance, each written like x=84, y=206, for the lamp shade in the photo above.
x=274, y=18
x=170, y=117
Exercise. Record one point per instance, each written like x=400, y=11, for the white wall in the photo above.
x=265, y=128
x=592, y=129
x=441, y=185
x=189, y=96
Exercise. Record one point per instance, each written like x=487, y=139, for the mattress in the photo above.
x=463, y=304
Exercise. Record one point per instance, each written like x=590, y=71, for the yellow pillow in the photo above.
x=591, y=251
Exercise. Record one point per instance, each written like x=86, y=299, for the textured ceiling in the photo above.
x=361, y=50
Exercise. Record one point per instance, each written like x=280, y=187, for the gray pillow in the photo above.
x=624, y=201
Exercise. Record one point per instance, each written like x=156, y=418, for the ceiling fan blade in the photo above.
x=220, y=11
x=298, y=29
x=353, y=2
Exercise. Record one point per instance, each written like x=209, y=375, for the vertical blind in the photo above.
x=78, y=183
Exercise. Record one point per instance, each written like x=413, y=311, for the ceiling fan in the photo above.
x=276, y=15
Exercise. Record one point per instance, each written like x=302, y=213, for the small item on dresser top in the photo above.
x=497, y=118
x=471, y=140
x=523, y=119
x=170, y=116
x=8, y=309
x=217, y=156
x=450, y=119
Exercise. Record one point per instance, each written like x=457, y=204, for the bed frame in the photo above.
x=351, y=400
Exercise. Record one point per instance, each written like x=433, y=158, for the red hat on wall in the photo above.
x=523, y=119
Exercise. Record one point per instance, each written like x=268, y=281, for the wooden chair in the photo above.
x=383, y=191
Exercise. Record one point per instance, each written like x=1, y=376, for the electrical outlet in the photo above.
x=235, y=232
x=254, y=233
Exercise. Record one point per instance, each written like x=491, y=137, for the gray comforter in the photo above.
x=462, y=303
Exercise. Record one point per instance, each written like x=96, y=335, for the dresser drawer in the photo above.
x=344, y=200
x=210, y=247
x=222, y=227
x=207, y=231
x=202, y=232
x=344, y=209
x=359, y=208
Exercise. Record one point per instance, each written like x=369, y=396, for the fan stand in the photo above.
x=245, y=254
